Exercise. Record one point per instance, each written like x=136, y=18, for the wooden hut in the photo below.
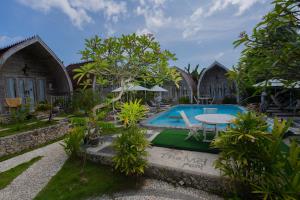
x=30, y=71
x=186, y=88
x=214, y=83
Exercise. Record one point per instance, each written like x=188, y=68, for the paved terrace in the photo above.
x=180, y=167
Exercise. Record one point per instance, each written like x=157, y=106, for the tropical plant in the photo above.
x=132, y=112
x=130, y=148
x=43, y=106
x=84, y=100
x=20, y=114
x=272, y=50
x=193, y=73
x=129, y=58
x=256, y=161
x=79, y=121
x=73, y=141
x=184, y=100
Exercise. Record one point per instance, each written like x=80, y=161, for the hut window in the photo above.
x=11, y=88
x=41, y=90
x=21, y=88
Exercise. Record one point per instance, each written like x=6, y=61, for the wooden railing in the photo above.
x=60, y=100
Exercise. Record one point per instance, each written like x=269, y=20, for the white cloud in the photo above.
x=143, y=31
x=242, y=5
x=78, y=10
x=201, y=20
x=153, y=13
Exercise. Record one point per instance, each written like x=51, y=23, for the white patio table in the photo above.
x=215, y=120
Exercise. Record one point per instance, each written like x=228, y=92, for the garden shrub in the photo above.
x=229, y=100
x=73, y=141
x=43, y=107
x=20, y=114
x=132, y=112
x=78, y=121
x=130, y=148
x=84, y=100
x=184, y=100
x=255, y=160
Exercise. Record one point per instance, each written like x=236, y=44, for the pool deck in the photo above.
x=190, y=168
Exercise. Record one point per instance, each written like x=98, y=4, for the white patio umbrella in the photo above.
x=157, y=88
x=131, y=87
x=277, y=83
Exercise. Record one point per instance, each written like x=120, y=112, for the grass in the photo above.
x=21, y=127
x=8, y=176
x=174, y=138
x=95, y=180
x=3, y=158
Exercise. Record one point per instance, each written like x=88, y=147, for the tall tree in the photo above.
x=120, y=60
x=272, y=51
x=193, y=73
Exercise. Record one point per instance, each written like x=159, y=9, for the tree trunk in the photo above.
x=103, y=105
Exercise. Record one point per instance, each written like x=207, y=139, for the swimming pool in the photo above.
x=172, y=119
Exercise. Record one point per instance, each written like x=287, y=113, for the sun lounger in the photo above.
x=193, y=129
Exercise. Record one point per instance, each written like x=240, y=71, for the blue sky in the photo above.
x=197, y=31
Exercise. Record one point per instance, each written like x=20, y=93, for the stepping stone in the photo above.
x=31, y=123
x=59, y=118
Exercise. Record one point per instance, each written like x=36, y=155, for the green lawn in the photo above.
x=175, y=138
x=69, y=183
x=21, y=127
x=8, y=176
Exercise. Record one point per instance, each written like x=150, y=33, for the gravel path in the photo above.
x=158, y=190
x=29, y=183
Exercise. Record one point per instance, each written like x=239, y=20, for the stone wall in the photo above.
x=213, y=184
x=30, y=139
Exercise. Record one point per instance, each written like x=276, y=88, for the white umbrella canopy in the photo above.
x=277, y=83
x=131, y=87
x=157, y=88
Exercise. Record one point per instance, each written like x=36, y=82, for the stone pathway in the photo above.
x=29, y=183
x=158, y=190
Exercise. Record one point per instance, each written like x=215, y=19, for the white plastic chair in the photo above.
x=208, y=111
x=193, y=129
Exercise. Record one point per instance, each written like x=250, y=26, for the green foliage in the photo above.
x=79, y=121
x=256, y=161
x=229, y=100
x=107, y=127
x=20, y=114
x=132, y=112
x=272, y=50
x=84, y=100
x=184, y=100
x=194, y=73
x=43, y=107
x=131, y=57
x=130, y=148
x=73, y=141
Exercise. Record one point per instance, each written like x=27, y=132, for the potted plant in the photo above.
x=93, y=133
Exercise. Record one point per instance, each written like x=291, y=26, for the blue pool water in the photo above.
x=171, y=117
